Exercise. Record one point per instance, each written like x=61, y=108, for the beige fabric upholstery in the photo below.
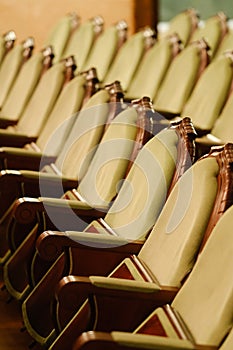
x=213, y=85
x=126, y=62
x=22, y=88
x=2, y=48
x=55, y=131
x=170, y=250
x=80, y=43
x=228, y=343
x=102, y=52
x=205, y=301
x=58, y=36
x=110, y=161
x=226, y=44
x=36, y=113
x=179, y=81
x=9, y=70
x=79, y=148
x=144, y=191
x=151, y=71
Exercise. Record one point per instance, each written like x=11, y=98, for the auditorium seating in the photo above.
x=199, y=317
x=7, y=41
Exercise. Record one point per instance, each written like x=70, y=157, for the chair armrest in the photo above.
x=205, y=143
x=17, y=158
x=139, y=298
x=50, y=245
x=15, y=140
x=128, y=341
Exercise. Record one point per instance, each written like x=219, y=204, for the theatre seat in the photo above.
x=81, y=41
x=11, y=65
x=105, y=48
x=153, y=68
x=226, y=44
x=180, y=79
x=7, y=41
x=155, y=275
x=213, y=30
x=24, y=86
x=184, y=24
x=159, y=157
x=59, y=34
x=123, y=68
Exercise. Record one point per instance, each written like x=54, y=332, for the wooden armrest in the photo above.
x=15, y=140
x=17, y=158
x=93, y=340
x=137, y=301
x=50, y=244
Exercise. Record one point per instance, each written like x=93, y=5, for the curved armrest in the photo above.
x=14, y=139
x=50, y=244
x=93, y=340
x=17, y=158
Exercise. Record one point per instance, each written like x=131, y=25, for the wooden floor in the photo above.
x=11, y=336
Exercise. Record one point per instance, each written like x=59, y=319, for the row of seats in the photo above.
x=122, y=244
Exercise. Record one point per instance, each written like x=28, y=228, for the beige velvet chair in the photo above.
x=189, y=215
x=180, y=79
x=104, y=49
x=24, y=86
x=123, y=68
x=7, y=41
x=11, y=65
x=200, y=316
x=184, y=24
x=153, y=68
x=59, y=34
x=36, y=114
x=82, y=39
x=213, y=31
x=148, y=182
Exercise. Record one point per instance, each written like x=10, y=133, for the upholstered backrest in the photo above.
x=184, y=24
x=23, y=87
x=223, y=126
x=228, y=343
x=109, y=164
x=144, y=191
x=2, y=48
x=151, y=70
x=9, y=70
x=126, y=61
x=61, y=119
x=103, y=51
x=79, y=148
x=226, y=44
x=58, y=36
x=47, y=90
x=179, y=81
x=170, y=250
x=210, y=93
x=80, y=43
x=212, y=30
x=205, y=301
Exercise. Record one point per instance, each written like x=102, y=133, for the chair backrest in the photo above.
x=170, y=250
x=184, y=24
x=181, y=77
x=210, y=93
x=213, y=30
x=128, y=58
x=7, y=42
x=226, y=44
x=228, y=343
x=47, y=90
x=59, y=34
x=24, y=85
x=105, y=48
x=82, y=39
x=146, y=186
x=12, y=64
x=153, y=68
x=205, y=300
x=76, y=154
